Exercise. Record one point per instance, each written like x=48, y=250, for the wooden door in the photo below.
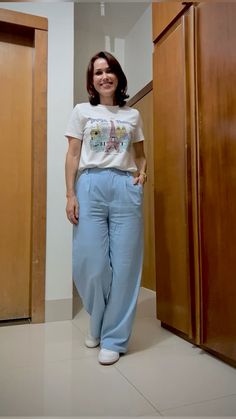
x=216, y=76
x=173, y=179
x=15, y=181
x=145, y=107
x=23, y=48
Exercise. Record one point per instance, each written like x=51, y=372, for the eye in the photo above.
x=97, y=72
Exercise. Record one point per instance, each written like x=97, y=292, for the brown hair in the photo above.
x=120, y=94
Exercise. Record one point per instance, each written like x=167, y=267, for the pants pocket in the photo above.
x=134, y=192
x=83, y=185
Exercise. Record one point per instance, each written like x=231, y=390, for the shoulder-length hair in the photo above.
x=120, y=94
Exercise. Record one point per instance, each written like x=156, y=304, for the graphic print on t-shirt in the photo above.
x=109, y=136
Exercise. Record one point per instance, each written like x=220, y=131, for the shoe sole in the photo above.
x=108, y=362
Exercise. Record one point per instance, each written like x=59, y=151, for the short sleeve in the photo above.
x=138, y=131
x=76, y=124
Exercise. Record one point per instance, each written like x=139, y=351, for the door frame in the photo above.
x=20, y=21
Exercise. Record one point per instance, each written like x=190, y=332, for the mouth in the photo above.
x=106, y=84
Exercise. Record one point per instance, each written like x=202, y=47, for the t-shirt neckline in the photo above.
x=108, y=106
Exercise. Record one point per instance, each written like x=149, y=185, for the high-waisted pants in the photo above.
x=108, y=253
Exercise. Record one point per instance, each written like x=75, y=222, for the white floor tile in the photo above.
x=45, y=370
x=81, y=321
x=225, y=406
x=171, y=377
x=148, y=334
x=77, y=387
x=40, y=343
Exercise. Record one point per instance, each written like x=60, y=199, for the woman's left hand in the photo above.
x=140, y=176
x=141, y=179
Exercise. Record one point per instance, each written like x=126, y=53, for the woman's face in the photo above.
x=105, y=82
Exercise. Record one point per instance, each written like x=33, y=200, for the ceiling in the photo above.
x=118, y=20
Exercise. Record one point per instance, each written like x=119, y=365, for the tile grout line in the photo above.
x=78, y=328
x=139, y=392
x=196, y=403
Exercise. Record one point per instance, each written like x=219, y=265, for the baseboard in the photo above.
x=58, y=310
x=77, y=302
x=149, y=290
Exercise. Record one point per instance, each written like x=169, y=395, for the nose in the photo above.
x=104, y=76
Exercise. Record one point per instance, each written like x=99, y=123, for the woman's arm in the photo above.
x=71, y=167
x=141, y=163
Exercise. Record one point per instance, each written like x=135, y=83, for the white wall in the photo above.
x=138, y=53
x=60, y=103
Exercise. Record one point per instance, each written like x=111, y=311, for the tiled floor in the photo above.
x=45, y=370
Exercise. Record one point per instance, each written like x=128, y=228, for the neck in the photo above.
x=107, y=101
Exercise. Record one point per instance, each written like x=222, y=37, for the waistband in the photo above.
x=107, y=170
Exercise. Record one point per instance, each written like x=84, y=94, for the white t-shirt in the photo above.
x=107, y=134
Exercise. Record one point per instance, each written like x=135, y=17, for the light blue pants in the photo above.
x=108, y=252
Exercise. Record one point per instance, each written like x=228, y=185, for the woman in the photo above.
x=105, y=205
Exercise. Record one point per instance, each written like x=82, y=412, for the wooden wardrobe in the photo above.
x=194, y=79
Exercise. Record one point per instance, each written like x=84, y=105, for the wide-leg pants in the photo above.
x=108, y=252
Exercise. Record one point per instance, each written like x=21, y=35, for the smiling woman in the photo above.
x=105, y=82
x=104, y=204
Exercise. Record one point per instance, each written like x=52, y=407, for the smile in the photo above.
x=109, y=83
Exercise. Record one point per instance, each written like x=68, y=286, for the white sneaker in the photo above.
x=107, y=357
x=91, y=342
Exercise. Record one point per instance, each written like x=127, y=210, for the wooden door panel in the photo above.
x=216, y=64
x=145, y=106
x=23, y=139
x=170, y=163
x=163, y=14
x=15, y=180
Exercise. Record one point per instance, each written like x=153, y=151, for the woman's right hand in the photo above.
x=72, y=210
